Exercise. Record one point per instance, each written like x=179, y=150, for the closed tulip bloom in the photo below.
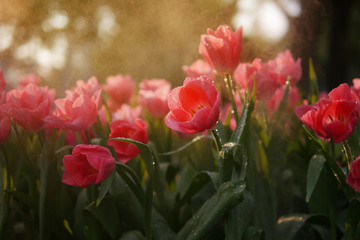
x=29, y=106
x=264, y=77
x=199, y=68
x=285, y=67
x=194, y=107
x=334, y=118
x=88, y=164
x=74, y=112
x=153, y=96
x=120, y=88
x=125, y=129
x=353, y=179
x=222, y=48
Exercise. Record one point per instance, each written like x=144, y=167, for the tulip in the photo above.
x=265, y=79
x=286, y=68
x=122, y=128
x=194, y=107
x=198, y=68
x=74, y=112
x=88, y=164
x=29, y=106
x=27, y=79
x=120, y=88
x=334, y=118
x=153, y=96
x=353, y=178
x=222, y=48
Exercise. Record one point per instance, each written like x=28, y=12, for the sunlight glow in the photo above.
x=265, y=19
x=6, y=36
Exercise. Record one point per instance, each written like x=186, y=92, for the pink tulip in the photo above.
x=27, y=79
x=74, y=112
x=88, y=164
x=285, y=67
x=91, y=88
x=222, y=48
x=199, y=68
x=194, y=107
x=292, y=101
x=264, y=77
x=353, y=179
x=126, y=112
x=29, y=107
x=153, y=96
x=120, y=88
x=334, y=118
x=122, y=128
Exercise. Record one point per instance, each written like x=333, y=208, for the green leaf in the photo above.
x=107, y=214
x=198, y=183
x=228, y=195
x=105, y=186
x=316, y=165
x=240, y=217
x=132, y=235
x=352, y=218
x=331, y=164
x=145, y=150
x=194, y=140
x=299, y=226
x=43, y=189
x=314, y=92
x=160, y=227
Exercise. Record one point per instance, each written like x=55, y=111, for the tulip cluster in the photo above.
x=113, y=160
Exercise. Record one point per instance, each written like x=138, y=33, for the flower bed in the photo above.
x=236, y=152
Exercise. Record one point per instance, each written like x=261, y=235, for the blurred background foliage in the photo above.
x=64, y=41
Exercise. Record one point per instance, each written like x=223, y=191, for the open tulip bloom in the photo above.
x=137, y=159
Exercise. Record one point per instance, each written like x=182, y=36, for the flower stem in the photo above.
x=229, y=86
x=348, y=154
x=217, y=139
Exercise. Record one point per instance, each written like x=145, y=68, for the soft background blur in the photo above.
x=64, y=41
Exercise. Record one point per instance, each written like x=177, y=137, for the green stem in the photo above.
x=229, y=87
x=88, y=138
x=217, y=139
x=348, y=154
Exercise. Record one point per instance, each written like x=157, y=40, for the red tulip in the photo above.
x=88, y=164
x=120, y=88
x=75, y=112
x=222, y=48
x=194, y=107
x=153, y=96
x=353, y=179
x=30, y=106
x=334, y=118
x=122, y=128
